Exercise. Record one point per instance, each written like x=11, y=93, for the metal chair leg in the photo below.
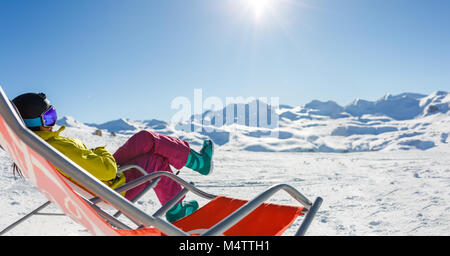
x=24, y=218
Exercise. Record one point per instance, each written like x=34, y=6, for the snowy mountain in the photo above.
x=393, y=122
x=400, y=107
x=117, y=126
x=71, y=122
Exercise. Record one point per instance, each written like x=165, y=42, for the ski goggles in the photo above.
x=46, y=119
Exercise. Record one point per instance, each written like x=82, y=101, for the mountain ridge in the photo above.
x=393, y=122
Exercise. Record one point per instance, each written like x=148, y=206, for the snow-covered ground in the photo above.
x=382, y=168
x=366, y=193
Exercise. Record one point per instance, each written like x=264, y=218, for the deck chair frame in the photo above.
x=126, y=207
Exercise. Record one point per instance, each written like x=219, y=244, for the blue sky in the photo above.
x=100, y=60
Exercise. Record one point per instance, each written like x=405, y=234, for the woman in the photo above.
x=152, y=151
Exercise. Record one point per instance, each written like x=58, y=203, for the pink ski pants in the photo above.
x=153, y=152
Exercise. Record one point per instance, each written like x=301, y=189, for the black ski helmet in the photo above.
x=31, y=105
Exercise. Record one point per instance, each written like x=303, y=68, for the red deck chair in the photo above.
x=220, y=216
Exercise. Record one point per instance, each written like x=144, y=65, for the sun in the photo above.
x=259, y=8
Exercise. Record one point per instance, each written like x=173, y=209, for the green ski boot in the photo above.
x=181, y=210
x=202, y=162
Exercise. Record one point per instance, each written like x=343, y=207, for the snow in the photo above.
x=379, y=173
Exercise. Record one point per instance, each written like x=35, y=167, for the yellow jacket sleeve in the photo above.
x=98, y=161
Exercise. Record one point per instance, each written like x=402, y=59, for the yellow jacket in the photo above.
x=97, y=161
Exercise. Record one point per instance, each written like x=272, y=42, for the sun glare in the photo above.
x=266, y=14
x=259, y=8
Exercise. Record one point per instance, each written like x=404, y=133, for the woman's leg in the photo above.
x=175, y=150
x=156, y=152
x=166, y=188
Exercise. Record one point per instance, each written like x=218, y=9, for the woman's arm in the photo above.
x=98, y=161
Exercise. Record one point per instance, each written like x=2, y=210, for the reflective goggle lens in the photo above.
x=49, y=117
